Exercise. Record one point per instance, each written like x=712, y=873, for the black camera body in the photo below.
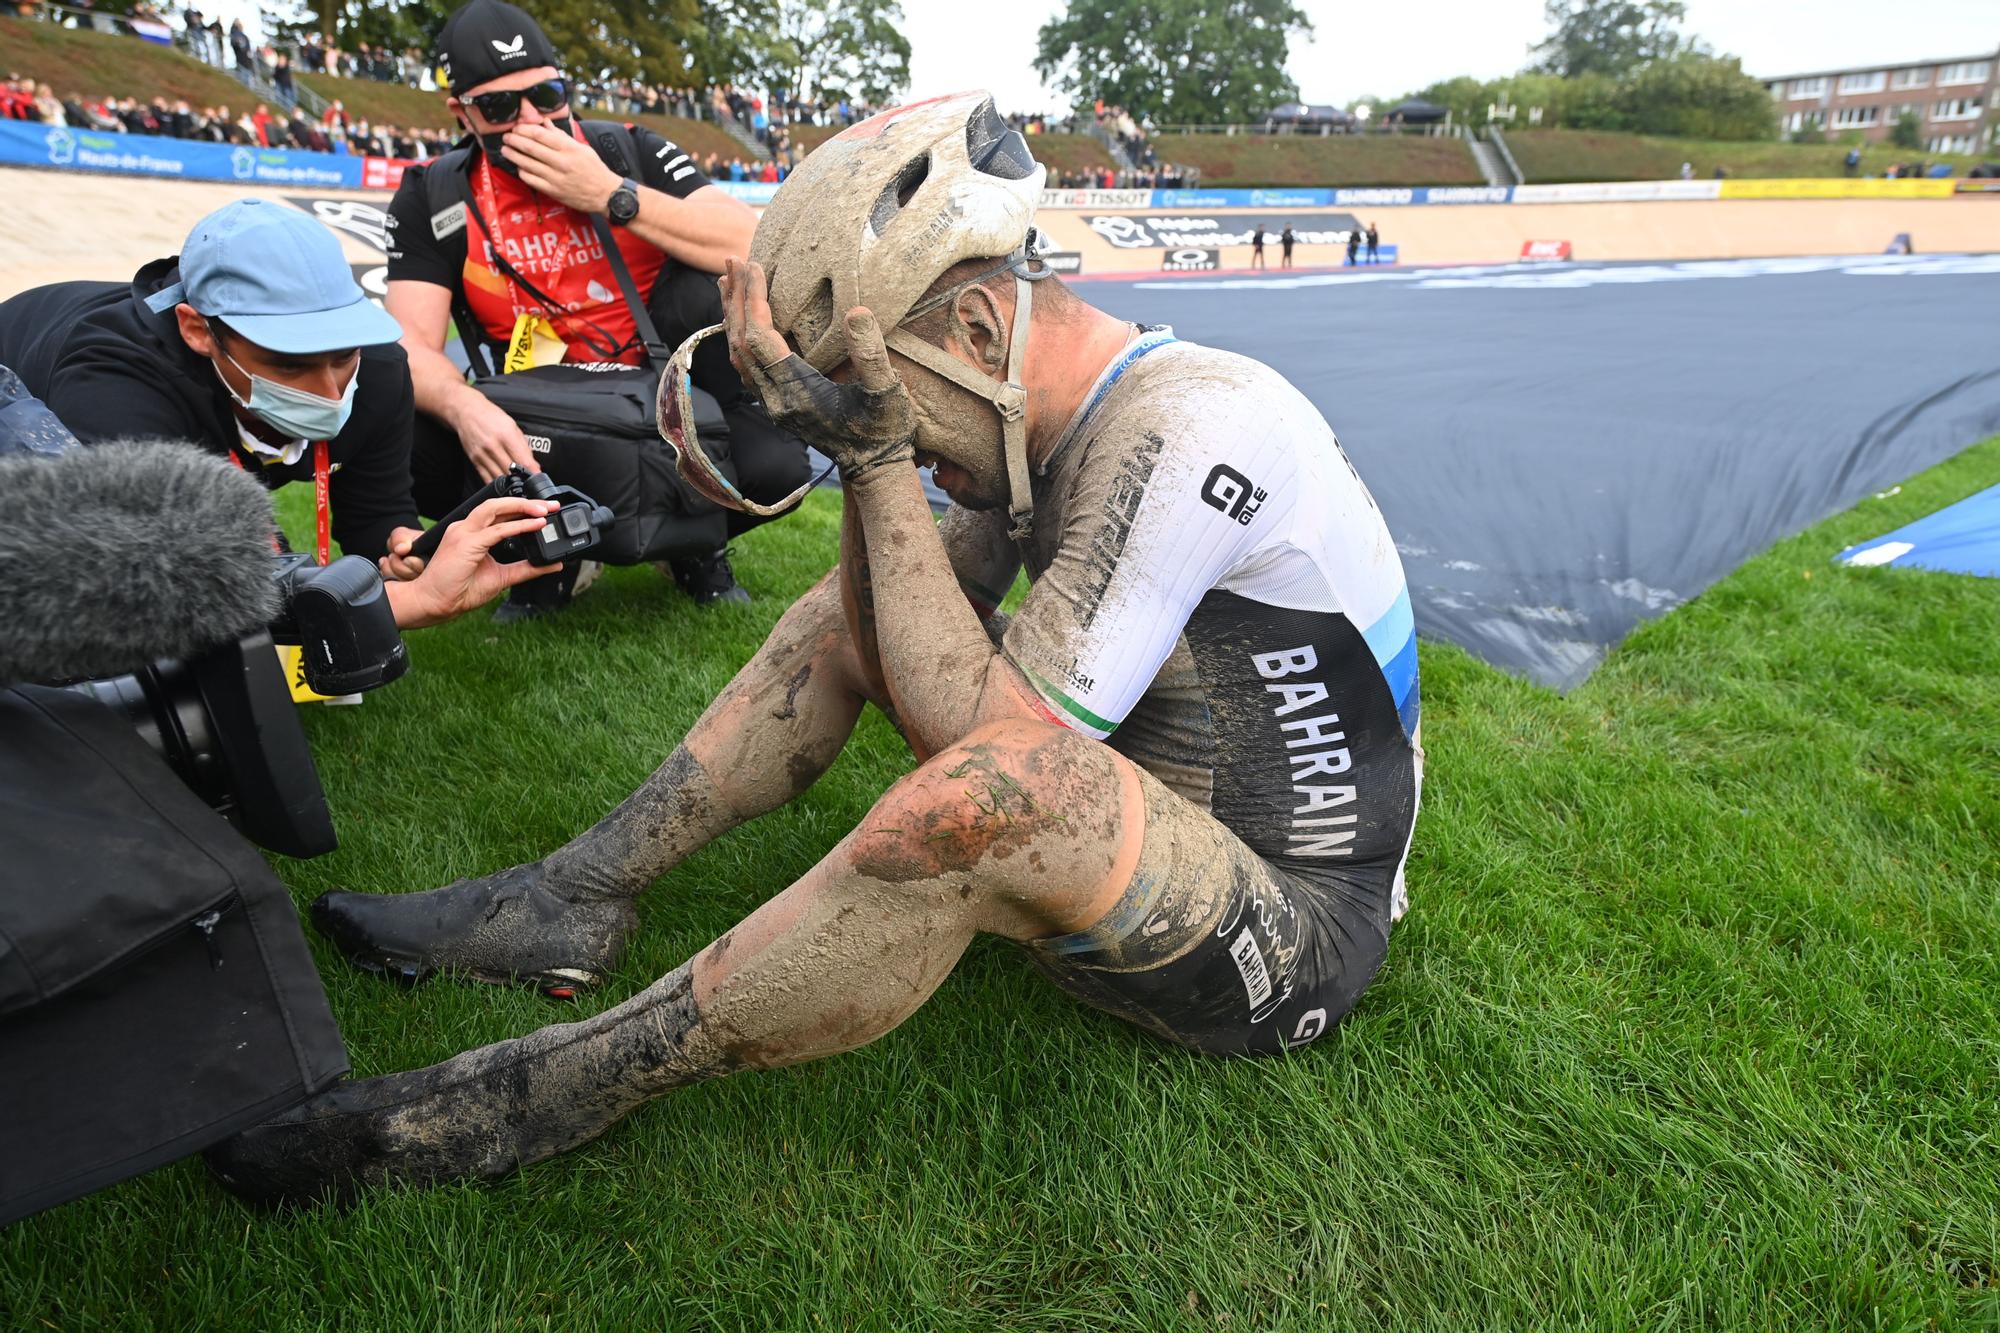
x=340, y=618
x=224, y=719
x=572, y=530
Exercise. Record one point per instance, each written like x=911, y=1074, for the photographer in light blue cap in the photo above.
x=256, y=343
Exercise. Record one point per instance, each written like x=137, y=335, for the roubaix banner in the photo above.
x=1172, y=231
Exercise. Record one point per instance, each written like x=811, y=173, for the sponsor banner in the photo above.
x=1063, y=261
x=1834, y=187
x=750, y=192
x=1618, y=192
x=1985, y=185
x=1151, y=231
x=1544, y=251
x=363, y=219
x=29, y=145
x=1467, y=194
x=1097, y=199
x=383, y=173
x=1191, y=261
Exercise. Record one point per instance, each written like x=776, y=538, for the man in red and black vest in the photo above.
x=519, y=199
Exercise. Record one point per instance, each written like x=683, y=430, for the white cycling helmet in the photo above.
x=878, y=213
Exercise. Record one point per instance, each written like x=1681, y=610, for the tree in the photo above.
x=839, y=48
x=1465, y=97
x=1697, y=97
x=661, y=41
x=1179, y=61
x=1908, y=131
x=1613, y=37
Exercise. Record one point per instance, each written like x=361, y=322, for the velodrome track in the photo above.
x=1562, y=451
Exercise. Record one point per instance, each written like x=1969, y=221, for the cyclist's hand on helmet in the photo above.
x=490, y=438
x=862, y=423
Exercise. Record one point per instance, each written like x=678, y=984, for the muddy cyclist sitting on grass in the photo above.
x=1183, y=777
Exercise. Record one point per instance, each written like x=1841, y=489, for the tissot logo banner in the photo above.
x=1173, y=231
x=1191, y=261
x=1232, y=493
x=1097, y=199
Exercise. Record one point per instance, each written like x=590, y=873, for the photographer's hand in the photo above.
x=462, y=574
x=399, y=565
x=490, y=438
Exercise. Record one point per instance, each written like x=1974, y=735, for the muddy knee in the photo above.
x=1030, y=824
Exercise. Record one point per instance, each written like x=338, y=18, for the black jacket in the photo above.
x=111, y=369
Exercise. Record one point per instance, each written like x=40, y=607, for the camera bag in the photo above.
x=595, y=425
x=156, y=991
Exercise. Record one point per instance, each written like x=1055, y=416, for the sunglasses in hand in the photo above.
x=505, y=108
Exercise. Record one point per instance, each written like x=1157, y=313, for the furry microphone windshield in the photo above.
x=117, y=554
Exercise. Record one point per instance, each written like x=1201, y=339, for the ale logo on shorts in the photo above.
x=1232, y=493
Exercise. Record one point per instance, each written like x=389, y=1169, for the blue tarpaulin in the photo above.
x=1961, y=539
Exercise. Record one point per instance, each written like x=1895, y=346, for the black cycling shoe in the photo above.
x=503, y=928
x=548, y=594
x=707, y=579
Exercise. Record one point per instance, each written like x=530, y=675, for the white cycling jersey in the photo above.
x=1215, y=594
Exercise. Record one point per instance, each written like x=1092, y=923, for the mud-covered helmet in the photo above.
x=876, y=214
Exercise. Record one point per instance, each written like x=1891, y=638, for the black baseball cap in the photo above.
x=488, y=38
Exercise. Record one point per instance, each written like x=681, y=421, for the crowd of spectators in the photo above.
x=289, y=127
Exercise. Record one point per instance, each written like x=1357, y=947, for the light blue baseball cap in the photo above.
x=277, y=276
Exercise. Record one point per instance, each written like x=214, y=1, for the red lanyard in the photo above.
x=322, y=499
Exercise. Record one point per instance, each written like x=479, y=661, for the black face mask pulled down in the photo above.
x=492, y=143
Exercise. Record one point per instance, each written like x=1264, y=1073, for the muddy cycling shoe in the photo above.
x=481, y=1114
x=502, y=928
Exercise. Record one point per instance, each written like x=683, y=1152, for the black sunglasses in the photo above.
x=505, y=108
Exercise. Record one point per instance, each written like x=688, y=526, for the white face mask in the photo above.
x=294, y=412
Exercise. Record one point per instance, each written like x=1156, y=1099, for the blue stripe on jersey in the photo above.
x=1393, y=641
x=1150, y=340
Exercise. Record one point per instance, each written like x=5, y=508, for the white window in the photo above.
x=1972, y=71
x=1963, y=108
x=1913, y=78
x=1856, y=117
x=1961, y=143
x=1873, y=82
x=1808, y=88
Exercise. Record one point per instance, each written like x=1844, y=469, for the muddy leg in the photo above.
x=562, y=921
x=1022, y=830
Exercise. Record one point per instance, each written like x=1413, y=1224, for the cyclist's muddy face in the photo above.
x=958, y=436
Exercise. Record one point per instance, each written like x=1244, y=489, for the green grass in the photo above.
x=1338, y=160
x=1057, y=152
x=1553, y=156
x=1695, y=1021
x=96, y=64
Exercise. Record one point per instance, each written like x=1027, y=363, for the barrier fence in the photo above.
x=29, y=145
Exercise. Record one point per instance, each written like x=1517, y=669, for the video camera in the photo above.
x=224, y=720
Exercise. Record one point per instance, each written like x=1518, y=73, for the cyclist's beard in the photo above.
x=492, y=143
x=962, y=430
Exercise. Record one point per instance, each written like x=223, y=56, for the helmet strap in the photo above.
x=1008, y=398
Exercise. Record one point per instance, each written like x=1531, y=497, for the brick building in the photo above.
x=1957, y=101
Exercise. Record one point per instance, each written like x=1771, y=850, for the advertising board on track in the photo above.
x=1151, y=231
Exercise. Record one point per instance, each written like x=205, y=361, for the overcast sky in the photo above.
x=956, y=45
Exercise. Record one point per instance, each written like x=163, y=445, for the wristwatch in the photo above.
x=624, y=205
